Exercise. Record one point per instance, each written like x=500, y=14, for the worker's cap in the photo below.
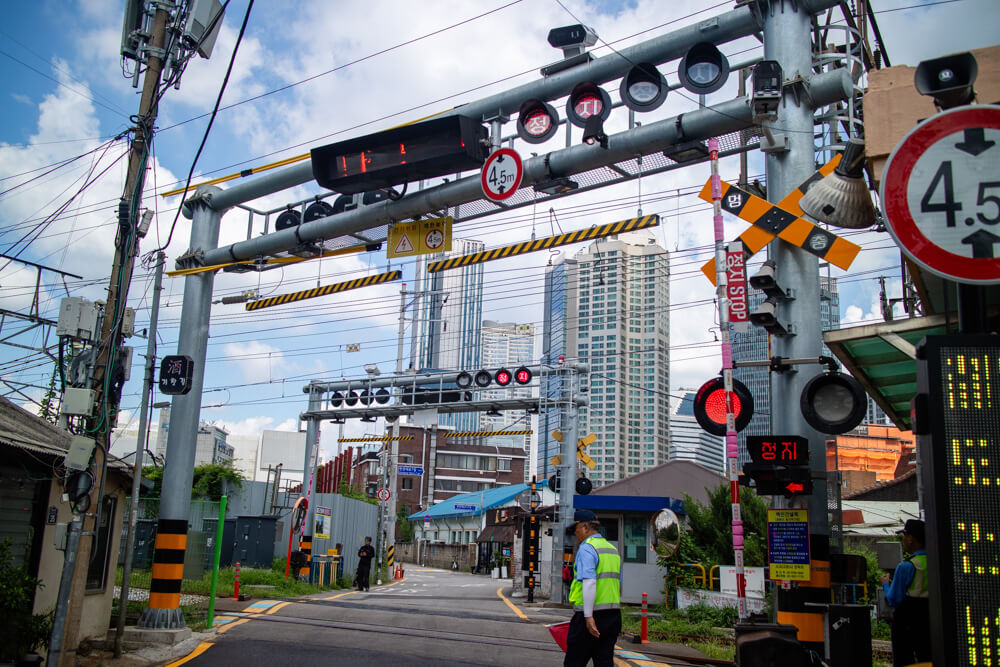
x=915, y=528
x=368, y=539
x=584, y=515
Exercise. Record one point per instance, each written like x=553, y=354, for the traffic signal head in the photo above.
x=703, y=69
x=587, y=99
x=779, y=480
x=537, y=121
x=593, y=132
x=948, y=80
x=643, y=88
x=710, y=406
x=523, y=375
x=288, y=218
x=765, y=316
x=503, y=377
x=833, y=403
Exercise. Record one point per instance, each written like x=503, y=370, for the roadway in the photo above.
x=431, y=617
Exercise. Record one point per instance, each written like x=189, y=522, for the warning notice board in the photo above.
x=788, y=544
x=420, y=237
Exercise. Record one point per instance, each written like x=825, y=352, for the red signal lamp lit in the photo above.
x=522, y=375
x=503, y=377
x=710, y=406
x=537, y=121
x=587, y=99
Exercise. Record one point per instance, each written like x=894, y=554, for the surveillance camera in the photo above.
x=766, y=96
x=571, y=36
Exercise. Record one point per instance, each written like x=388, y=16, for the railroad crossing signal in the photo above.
x=756, y=237
x=581, y=444
x=779, y=465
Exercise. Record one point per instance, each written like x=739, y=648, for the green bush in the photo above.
x=21, y=631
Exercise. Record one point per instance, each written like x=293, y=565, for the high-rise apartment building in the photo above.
x=508, y=345
x=753, y=345
x=448, y=319
x=608, y=307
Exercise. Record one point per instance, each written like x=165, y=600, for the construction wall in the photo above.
x=437, y=555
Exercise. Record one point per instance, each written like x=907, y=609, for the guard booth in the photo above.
x=496, y=541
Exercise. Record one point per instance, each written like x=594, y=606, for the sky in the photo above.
x=312, y=73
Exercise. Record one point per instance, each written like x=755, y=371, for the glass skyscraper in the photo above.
x=508, y=345
x=608, y=307
x=448, y=322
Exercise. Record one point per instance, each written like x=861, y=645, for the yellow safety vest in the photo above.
x=918, y=587
x=609, y=568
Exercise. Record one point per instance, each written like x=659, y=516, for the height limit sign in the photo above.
x=501, y=174
x=941, y=192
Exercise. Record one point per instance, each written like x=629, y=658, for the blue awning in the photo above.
x=628, y=503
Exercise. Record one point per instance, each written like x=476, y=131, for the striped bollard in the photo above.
x=643, y=628
x=236, y=588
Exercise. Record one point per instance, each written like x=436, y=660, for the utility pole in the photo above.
x=567, y=477
x=788, y=39
x=140, y=446
x=63, y=649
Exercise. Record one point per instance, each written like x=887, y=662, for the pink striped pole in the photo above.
x=732, y=449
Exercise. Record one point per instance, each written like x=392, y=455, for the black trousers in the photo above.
x=911, y=632
x=582, y=647
x=363, y=577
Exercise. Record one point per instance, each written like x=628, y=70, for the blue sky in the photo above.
x=64, y=94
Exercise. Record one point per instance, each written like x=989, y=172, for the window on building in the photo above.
x=407, y=483
x=406, y=458
x=503, y=465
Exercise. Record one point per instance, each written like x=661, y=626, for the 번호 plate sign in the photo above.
x=501, y=174
x=941, y=193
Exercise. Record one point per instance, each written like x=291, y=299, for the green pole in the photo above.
x=215, y=561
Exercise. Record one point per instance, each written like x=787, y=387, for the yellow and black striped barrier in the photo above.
x=377, y=438
x=545, y=243
x=367, y=281
x=389, y=556
x=782, y=220
x=480, y=434
x=306, y=547
x=168, y=564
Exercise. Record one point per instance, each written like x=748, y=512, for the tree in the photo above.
x=209, y=480
x=711, y=532
x=405, y=528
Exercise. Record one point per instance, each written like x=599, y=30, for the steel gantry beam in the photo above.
x=731, y=116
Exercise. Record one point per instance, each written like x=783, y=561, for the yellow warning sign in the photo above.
x=419, y=237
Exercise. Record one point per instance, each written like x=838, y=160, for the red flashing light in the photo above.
x=522, y=375
x=503, y=377
x=710, y=406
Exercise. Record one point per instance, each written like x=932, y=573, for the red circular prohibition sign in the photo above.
x=499, y=191
x=895, y=185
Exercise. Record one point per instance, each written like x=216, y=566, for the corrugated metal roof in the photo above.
x=881, y=357
x=482, y=500
x=882, y=518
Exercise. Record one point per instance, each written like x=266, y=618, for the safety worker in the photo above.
x=595, y=595
x=906, y=591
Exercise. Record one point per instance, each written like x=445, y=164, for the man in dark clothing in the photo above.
x=907, y=592
x=366, y=553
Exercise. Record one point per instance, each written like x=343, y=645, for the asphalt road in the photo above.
x=432, y=617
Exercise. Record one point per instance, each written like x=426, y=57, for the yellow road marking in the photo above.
x=340, y=595
x=201, y=648
x=511, y=605
x=229, y=626
x=277, y=607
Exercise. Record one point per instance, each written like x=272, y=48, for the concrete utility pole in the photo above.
x=185, y=409
x=63, y=650
x=787, y=39
x=567, y=476
x=308, y=475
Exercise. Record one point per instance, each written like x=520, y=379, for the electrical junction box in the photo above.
x=125, y=358
x=59, y=537
x=128, y=322
x=80, y=450
x=78, y=318
x=78, y=401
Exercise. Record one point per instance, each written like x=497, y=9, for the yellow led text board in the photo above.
x=957, y=423
x=788, y=544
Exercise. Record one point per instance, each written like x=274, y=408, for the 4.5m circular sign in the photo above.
x=941, y=193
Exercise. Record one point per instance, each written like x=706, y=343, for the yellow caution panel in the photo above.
x=545, y=243
x=367, y=281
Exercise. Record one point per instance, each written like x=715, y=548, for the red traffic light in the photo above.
x=522, y=375
x=537, y=121
x=710, y=406
x=503, y=377
x=587, y=99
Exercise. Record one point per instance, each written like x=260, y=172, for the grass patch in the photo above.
x=699, y=623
